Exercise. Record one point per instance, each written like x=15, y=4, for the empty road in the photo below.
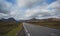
x=34, y=30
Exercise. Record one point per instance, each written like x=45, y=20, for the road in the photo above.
x=34, y=30
x=21, y=33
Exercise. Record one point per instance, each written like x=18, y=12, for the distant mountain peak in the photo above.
x=9, y=19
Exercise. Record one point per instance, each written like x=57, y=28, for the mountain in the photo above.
x=52, y=19
x=41, y=20
x=9, y=19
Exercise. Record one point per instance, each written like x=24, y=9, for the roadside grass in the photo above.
x=14, y=31
x=54, y=24
x=5, y=27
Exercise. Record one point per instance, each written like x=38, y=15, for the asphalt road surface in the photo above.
x=34, y=30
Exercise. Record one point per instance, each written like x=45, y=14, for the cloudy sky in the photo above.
x=27, y=9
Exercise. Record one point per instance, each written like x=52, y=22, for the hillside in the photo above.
x=50, y=22
x=7, y=25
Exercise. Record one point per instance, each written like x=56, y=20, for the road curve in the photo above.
x=34, y=30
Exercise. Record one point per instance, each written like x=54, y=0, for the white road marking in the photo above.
x=28, y=34
x=26, y=30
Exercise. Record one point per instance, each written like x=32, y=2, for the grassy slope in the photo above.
x=9, y=28
x=48, y=24
x=15, y=30
x=6, y=27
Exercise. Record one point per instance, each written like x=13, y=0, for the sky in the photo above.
x=27, y=9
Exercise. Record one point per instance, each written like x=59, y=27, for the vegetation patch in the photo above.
x=14, y=31
x=50, y=24
x=9, y=28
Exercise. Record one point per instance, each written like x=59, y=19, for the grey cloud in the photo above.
x=4, y=7
x=8, y=10
x=40, y=13
x=2, y=15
